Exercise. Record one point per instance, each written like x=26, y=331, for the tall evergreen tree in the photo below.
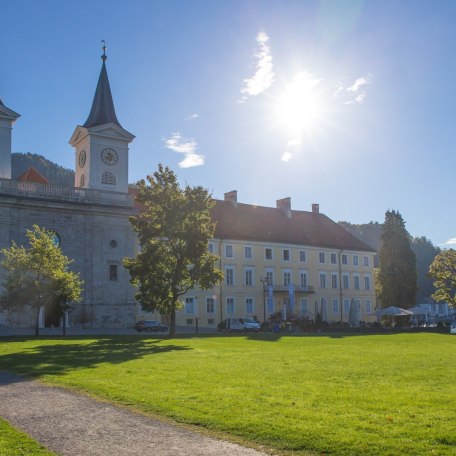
x=397, y=275
x=425, y=253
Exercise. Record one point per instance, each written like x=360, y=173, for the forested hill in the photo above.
x=54, y=173
x=369, y=233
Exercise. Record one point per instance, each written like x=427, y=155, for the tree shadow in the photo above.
x=58, y=358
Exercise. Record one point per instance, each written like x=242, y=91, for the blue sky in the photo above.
x=348, y=104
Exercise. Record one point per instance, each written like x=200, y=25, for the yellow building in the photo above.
x=282, y=260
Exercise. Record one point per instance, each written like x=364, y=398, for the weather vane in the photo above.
x=104, y=57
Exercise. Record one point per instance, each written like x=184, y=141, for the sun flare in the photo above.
x=301, y=105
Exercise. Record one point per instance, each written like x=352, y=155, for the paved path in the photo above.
x=75, y=425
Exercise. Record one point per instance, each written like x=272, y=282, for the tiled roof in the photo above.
x=32, y=175
x=265, y=224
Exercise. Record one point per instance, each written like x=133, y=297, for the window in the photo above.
x=248, y=252
x=334, y=281
x=189, y=321
x=269, y=278
x=356, y=282
x=322, y=279
x=210, y=321
x=229, y=251
x=344, y=258
x=303, y=279
x=366, y=261
x=268, y=253
x=304, y=305
x=302, y=256
x=286, y=254
x=210, y=305
x=321, y=257
x=113, y=272
x=346, y=306
x=270, y=305
x=108, y=178
x=210, y=248
x=368, y=305
x=229, y=276
x=335, y=303
x=248, y=275
x=230, y=306
x=355, y=260
x=333, y=258
x=249, y=306
x=286, y=278
x=345, y=281
x=82, y=180
x=113, y=243
x=367, y=282
x=189, y=306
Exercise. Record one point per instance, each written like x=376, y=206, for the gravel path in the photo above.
x=75, y=425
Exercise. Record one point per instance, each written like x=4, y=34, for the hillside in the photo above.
x=54, y=173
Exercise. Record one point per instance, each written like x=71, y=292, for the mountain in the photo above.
x=54, y=173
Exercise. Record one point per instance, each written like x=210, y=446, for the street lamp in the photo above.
x=264, y=282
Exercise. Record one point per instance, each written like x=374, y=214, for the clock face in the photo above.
x=109, y=156
x=82, y=158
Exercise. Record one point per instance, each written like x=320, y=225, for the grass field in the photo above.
x=16, y=443
x=389, y=394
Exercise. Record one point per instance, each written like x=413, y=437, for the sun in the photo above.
x=301, y=106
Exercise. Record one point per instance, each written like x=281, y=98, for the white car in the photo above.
x=453, y=328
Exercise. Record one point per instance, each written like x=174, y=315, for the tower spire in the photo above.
x=102, y=111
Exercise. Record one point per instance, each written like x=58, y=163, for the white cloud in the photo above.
x=186, y=146
x=451, y=241
x=286, y=157
x=195, y=115
x=358, y=83
x=264, y=76
x=294, y=142
x=339, y=88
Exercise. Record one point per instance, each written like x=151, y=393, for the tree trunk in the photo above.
x=37, y=323
x=64, y=323
x=172, y=326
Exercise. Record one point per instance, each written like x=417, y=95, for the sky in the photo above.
x=348, y=104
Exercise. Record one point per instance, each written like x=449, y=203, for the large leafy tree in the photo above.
x=425, y=253
x=397, y=274
x=38, y=275
x=174, y=229
x=443, y=271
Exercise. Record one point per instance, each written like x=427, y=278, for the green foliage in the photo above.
x=425, y=253
x=370, y=233
x=397, y=275
x=174, y=230
x=296, y=395
x=38, y=275
x=443, y=271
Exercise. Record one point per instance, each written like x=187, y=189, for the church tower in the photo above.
x=101, y=156
x=7, y=118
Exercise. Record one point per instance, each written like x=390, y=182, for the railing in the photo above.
x=48, y=191
x=285, y=289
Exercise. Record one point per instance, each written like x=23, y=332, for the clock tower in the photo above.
x=7, y=118
x=101, y=143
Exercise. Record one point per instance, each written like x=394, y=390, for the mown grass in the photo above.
x=16, y=443
x=346, y=395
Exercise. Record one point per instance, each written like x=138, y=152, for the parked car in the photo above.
x=453, y=328
x=243, y=324
x=150, y=325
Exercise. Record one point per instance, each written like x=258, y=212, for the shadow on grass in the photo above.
x=58, y=358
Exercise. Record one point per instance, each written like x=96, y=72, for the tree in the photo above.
x=174, y=230
x=397, y=275
x=443, y=271
x=425, y=253
x=38, y=275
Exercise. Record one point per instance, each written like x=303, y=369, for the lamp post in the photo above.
x=264, y=282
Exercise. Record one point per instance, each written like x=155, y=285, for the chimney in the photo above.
x=285, y=205
x=231, y=197
x=315, y=208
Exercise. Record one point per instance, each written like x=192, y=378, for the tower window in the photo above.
x=108, y=178
x=113, y=272
x=82, y=180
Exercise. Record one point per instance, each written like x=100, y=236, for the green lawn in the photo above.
x=16, y=443
x=389, y=394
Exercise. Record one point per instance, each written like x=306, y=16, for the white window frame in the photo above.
x=366, y=261
x=269, y=276
x=367, y=282
x=231, y=282
x=322, y=280
x=270, y=306
x=355, y=260
x=346, y=306
x=230, y=301
x=304, y=283
x=288, y=278
x=368, y=305
x=229, y=251
x=356, y=282
x=268, y=249
x=322, y=257
x=248, y=271
x=344, y=259
x=302, y=256
x=304, y=305
x=248, y=248
x=249, y=301
x=210, y=305
x=286, y=254
x=189, y=305
x=334, y=283
x=333, y=258
x=335, y=306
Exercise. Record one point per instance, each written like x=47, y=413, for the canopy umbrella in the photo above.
x=393, y=311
